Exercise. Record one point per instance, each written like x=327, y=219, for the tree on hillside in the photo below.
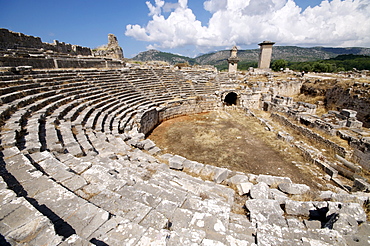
x=279, y=64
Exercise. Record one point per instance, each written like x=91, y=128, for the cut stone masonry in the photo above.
x=76, y=167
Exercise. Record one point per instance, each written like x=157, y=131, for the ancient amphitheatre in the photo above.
x=90, y=154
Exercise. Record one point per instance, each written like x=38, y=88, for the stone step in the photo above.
x=59, y=204
x=21, y=223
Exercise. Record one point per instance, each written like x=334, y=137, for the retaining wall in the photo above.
x=312, y=135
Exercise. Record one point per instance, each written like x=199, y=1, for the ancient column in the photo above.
x=233, y=60
x=265, y=54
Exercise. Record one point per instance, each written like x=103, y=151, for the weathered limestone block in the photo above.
x=100, y=175
x=121, y=206
x=241, y=228
x=75, y=240
x=265, y=211
x=311, y=242
x=217, y=208
x=120, y=233
x=155, y=151
x=21, y=223
x=273, y=180
x=181, y=218
x=39, y=231
x=154, y=219
x=77, y=165
x=74, y=183
x=268, y=234
x=56, y=169
x=312, y=224
x=87, y=219
x=360, y=185
x=176, y=162
x=295, y=223
x=353, y=209
x=193, y=167
x=185, y=236
x=294, y=189
x=353, y=123
x=277, y=195
x=260, y=191
x=3, y=185
x=358, y=197
x=212, y=225
x=244, y=188
x=234, y=240
x=216, y=174
x=61, y=201
x=9, y=152
x=361, y=237
x=237, y=179
x=299, y=208
x=345, y=224
x=220, y=174
x=143, y=196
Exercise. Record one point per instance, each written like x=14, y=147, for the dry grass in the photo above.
x=149, y=174
x=308, y=98
x=203, y=195
x=367, y=209
x=306, y=197
x=74, y=131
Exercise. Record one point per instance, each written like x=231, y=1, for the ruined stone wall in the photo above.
x=151, y=118
x=148, y=120
x=20, y=61
x=14, y=40
x=311, y=135
x=288, y=88
x=50, y=63
x=250, y=100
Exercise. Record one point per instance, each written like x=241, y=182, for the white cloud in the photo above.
x=245, y=22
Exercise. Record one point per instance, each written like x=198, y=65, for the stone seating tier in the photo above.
x=76, y=170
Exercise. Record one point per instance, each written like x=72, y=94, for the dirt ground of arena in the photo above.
x=233, y=140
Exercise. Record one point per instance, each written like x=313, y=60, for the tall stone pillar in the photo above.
x=233, y=60
x=114, y=48
x=265, y=54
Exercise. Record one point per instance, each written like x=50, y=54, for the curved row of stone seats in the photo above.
x=175, y=82
x=146, y=82
x=93, y=186
x=17, y=215
x=48, y=100
x=202, y=82
x=226, y=81
x=47, y=183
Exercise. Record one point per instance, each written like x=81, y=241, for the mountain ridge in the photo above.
x=219, y=58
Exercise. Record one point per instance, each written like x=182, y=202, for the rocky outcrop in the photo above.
x=355, y=97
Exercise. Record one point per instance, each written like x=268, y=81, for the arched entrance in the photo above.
x=231, y=99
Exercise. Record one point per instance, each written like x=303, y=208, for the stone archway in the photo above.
x=231, y=99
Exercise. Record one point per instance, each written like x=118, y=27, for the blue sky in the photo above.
x=190, y=27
